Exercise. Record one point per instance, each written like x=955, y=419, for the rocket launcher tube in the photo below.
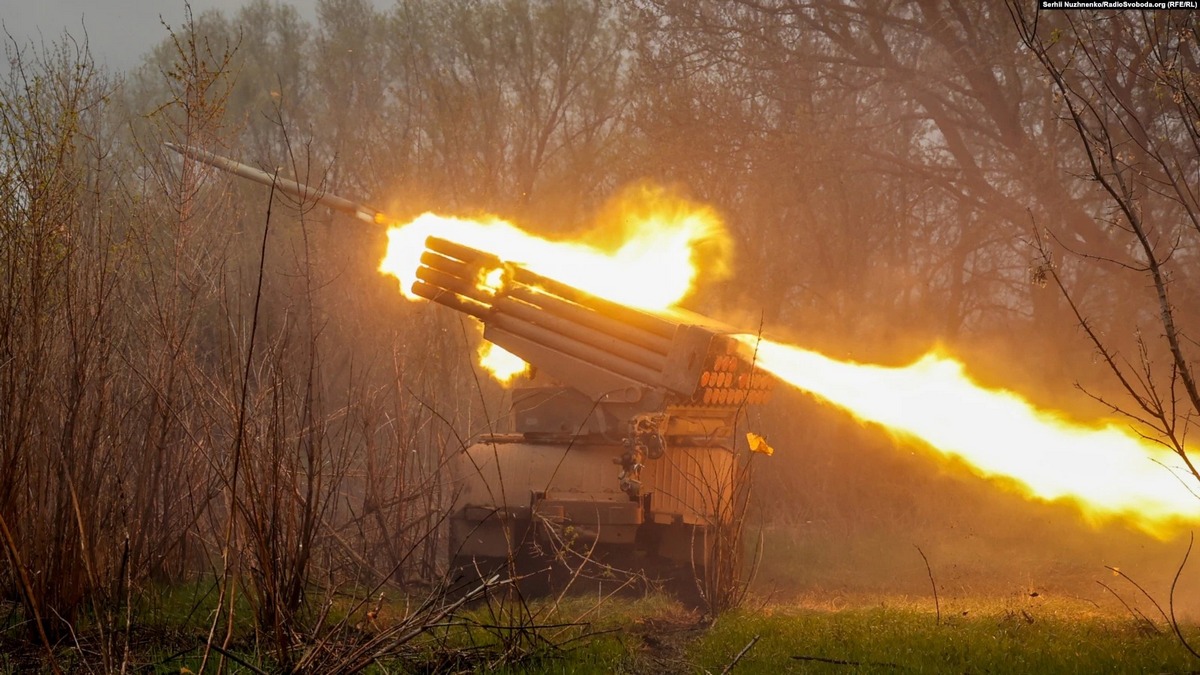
x=459, y=294
x=528, y=322
x=523, y=322
x=592, y=319
x=627, y=315
x=543, y=309
x=301, y=191
x=450, y=299
x=527, y=291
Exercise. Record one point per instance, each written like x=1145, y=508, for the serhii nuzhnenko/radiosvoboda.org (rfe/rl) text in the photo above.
x=1119, y=4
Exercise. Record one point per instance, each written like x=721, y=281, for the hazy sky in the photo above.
x=119, y=31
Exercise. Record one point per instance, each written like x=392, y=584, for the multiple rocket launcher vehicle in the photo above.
x=623, y=433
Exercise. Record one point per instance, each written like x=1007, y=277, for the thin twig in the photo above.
x=740, y=655
x=1137, y=614
x=230, y=530
x=237, y=659
x=841, y=662
x=1138, y=586
x=10, y=548
x=928, y=570
x=1171, y=598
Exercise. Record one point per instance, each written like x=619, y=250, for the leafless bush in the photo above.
x=124, y=347
x=64, y=508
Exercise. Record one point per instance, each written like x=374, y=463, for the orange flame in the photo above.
x=645, y=252
x=502, y=364
x=1107, y=470
x=648, y=256
x=652, y=265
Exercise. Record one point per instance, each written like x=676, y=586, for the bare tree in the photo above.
x=906, y=134
x=513, y=95
x=1126, y=86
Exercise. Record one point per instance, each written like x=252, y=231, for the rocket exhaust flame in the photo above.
x=653, y=266
x=1108, y=471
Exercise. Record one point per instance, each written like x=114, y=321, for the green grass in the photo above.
x=894, y=635
x=979, y=637
x=579, y=634
x=829, y=633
